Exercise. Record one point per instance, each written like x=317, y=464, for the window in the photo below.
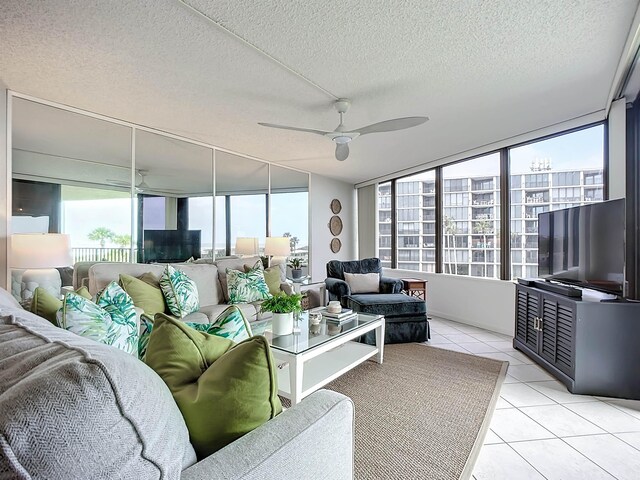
x=415, y=217
x=407, y=215
x=457, y=185
x=476, y=219
x=453, y=199
x=549, y=174
x=408, y=201
x=248, y=217
x=384, y=223
x=555, y=171
x=407, y=186
x=563, y=179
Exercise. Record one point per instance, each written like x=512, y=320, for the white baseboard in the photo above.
x=453, y=318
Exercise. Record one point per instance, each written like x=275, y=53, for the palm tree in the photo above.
x=450, y=230
x=122, y=240
x=101, y=234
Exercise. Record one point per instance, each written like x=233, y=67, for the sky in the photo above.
x=578, y=150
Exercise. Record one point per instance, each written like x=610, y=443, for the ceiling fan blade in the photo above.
x=391, y=125
x=342, y=151
x=284, y=127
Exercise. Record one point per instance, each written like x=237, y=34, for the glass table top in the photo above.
x=309, y=336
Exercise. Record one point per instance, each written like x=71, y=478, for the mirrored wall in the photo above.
x=126, y=193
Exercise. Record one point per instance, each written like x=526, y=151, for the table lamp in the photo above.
x=277, y=247
x=246, y=246
x=38, y=254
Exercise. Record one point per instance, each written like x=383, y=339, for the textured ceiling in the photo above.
x=481, y=70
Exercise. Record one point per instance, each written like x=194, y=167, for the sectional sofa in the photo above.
x=71, y=408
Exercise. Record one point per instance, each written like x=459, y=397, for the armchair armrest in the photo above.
x=390, y=285
x=295, y=444
x=337, y=288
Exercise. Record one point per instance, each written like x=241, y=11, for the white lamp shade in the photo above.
x=40, y=250
x=246, y=245
x=277, y=246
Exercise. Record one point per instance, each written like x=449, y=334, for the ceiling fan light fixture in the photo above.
x=342, y=139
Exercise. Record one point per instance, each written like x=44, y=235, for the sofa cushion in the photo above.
x=387, y=304
x=223, y=389
x=336, y=268
x=180, y=292
x=363, y=282
x=74, y=408
x=46, y=305
x=112, y=320
x=230, y=324
x=247, y=287
x=205, y=276
x=143, y=293
x=234, y=264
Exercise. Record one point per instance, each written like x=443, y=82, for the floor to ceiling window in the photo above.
x=384, y=223
x=562, y=171
x=415, y=217
x=471, y=217
x=559, y=172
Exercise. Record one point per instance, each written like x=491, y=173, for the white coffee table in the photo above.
x=318, y=354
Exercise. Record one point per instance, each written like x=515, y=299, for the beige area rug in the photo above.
x=423, y=413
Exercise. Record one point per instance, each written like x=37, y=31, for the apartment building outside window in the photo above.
x=472, y=222
x=558, y=172
x=570, y=168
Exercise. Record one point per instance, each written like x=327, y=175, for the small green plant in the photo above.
x=296, y=263
x=282, y=303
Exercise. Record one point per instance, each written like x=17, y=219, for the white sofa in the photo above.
x=210, y=279
x=72, y=408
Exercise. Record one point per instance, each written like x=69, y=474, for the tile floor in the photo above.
x=539, y=430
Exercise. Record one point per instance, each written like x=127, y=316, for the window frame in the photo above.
x=504, y=181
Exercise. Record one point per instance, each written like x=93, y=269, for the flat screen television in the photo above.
x=166, y=246
x=584, y=246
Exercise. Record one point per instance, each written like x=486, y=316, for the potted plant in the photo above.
x=296, y=265
x=283, y=306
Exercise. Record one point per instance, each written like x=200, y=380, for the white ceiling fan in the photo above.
x=342, y=136
x=142, y=186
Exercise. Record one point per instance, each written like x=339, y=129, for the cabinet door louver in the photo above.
x=557, y=333
x=527, y=311
x=521, y=316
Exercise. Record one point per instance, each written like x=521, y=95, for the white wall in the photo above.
x=617, y=149
x=5, y=188
x=367, y=222
x=483, y=302
x=321, y=191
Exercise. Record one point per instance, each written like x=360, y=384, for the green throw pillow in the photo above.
x=112, y=320
x=247, y=287
x=271, y=276
x=229, y=324
x=46, y=305
x=145, y=296
x=180, y=292
x=223, y=389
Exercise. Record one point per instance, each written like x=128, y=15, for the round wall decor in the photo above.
x=336, y=245
x=336, y=206
x=335, y=225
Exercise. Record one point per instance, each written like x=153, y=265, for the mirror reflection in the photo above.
x=242, y=186
x=71, y=175
x=174, y=199
x=290, y=210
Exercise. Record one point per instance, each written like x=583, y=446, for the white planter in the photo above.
x=282, y=323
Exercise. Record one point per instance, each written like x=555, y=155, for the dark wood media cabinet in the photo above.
x=592, y=347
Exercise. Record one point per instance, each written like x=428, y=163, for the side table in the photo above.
x=414, y=287
x=313, y=293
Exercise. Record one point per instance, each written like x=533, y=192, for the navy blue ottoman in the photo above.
x=405, y=316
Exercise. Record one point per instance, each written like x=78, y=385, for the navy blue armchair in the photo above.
x=338, y=288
